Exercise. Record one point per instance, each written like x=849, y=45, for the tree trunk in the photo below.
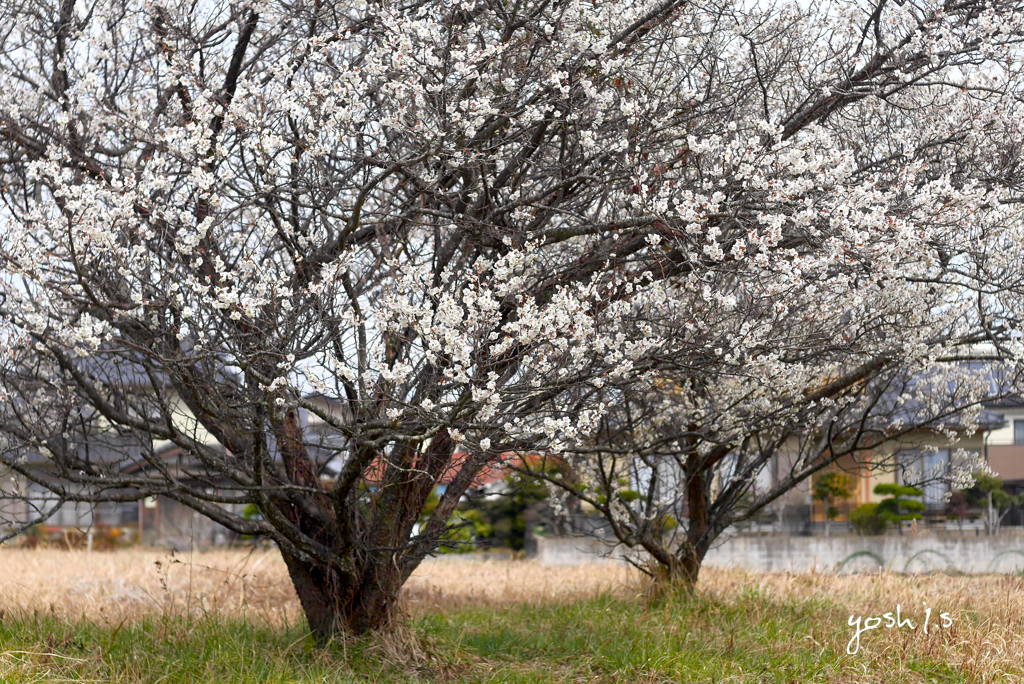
x=690, y=562
x=698, y=530
x=337, y=602
x=677, y=574
x=680, y=570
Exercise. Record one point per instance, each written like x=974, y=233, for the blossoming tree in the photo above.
x=471, y=227
x=863, y=291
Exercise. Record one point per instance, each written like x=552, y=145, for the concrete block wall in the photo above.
x=921, y=552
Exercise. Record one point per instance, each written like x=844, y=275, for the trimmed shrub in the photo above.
x=865, y=519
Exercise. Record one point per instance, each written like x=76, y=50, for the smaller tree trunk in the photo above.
x=680, y=570
x=677, y=574
x=690, y=557
x=690, y=563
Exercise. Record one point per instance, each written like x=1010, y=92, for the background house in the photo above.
x=1004, y=445
x=916, y=458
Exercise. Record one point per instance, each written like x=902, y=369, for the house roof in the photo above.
x=126, y=367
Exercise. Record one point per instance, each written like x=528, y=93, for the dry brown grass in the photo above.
x=446, y=583
x=115, y=586
x=985, y=643
x=111, y=587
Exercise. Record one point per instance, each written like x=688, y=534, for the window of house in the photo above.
x=69, y=514
x=927, y=470
x=129, y=513
x=935, y=470
x=73, y=514
x=40, y=499
x=116, y=513
x=1018, y=432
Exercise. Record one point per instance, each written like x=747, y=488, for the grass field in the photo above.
x=230, y=617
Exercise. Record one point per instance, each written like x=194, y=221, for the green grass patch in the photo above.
x=748, y=638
